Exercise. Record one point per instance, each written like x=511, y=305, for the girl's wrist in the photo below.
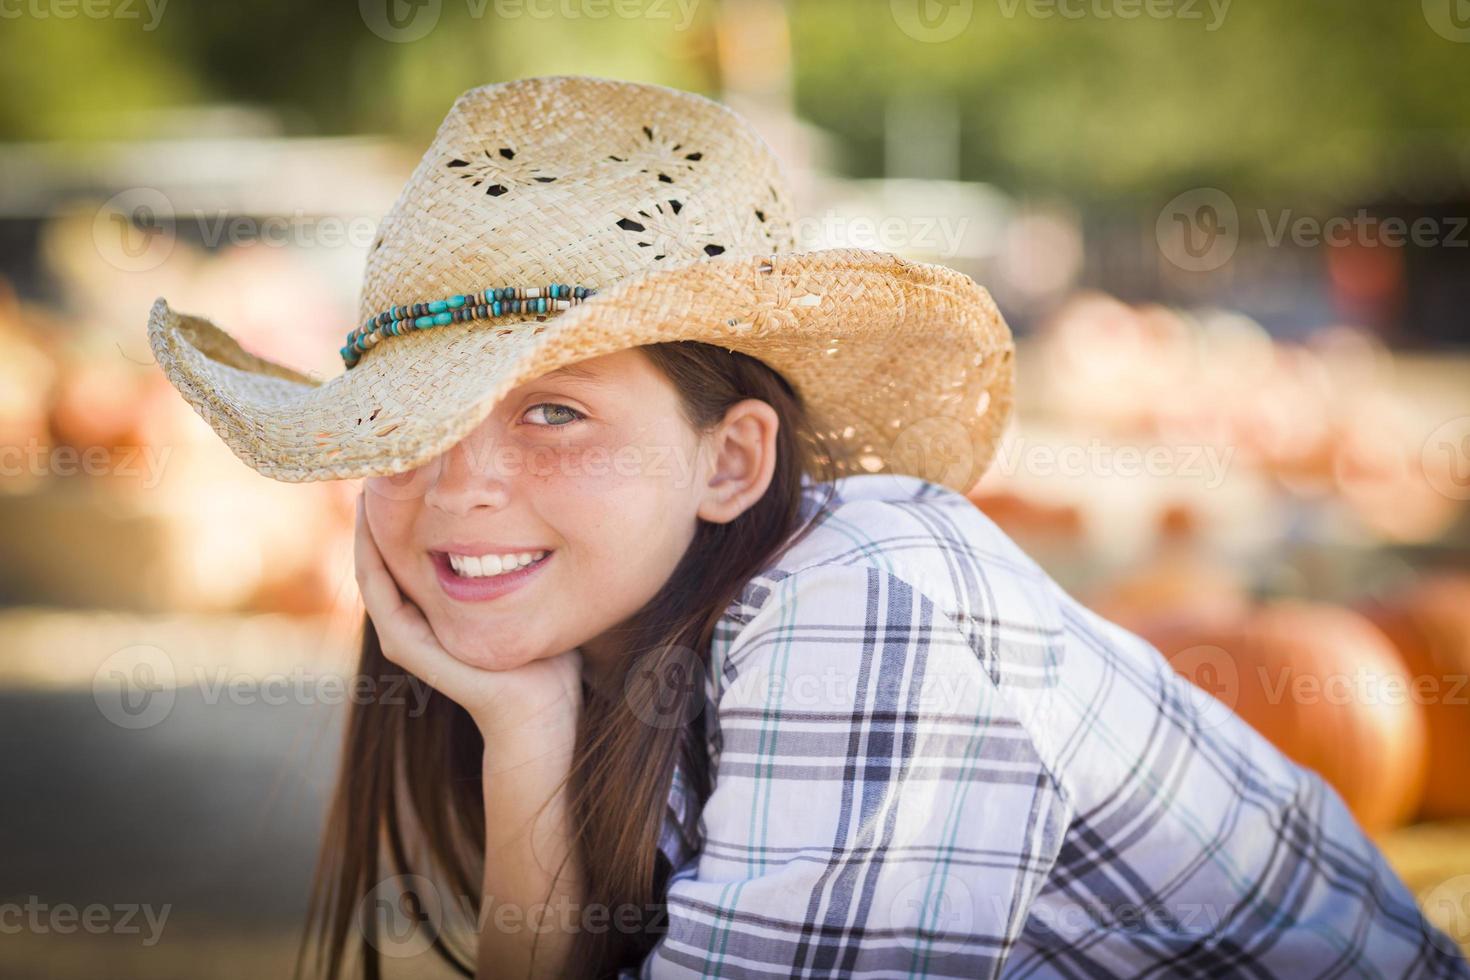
x=544, y=730
x=542, y=705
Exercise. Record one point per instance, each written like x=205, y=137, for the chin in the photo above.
x=477, y=653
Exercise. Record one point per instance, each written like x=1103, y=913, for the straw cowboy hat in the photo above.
x=555, y=219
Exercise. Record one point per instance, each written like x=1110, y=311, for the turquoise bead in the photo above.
x=497, y=301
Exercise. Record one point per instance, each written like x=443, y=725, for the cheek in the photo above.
x=658, y=459
x=583, y=486
x=627, y=526
x=407, y=488
x=391, y=518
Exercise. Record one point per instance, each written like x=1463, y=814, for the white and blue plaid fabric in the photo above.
x=931, y=761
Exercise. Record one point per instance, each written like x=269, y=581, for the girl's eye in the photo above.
x=555, y=411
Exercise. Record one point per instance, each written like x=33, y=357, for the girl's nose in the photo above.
x=466, y=480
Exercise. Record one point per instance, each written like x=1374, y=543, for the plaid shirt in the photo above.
x=931, y=761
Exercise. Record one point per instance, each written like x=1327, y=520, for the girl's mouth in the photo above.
x=479, y=578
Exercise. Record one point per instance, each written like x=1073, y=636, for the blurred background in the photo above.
x=1233, y=240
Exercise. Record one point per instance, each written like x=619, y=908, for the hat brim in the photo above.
x=905, y=366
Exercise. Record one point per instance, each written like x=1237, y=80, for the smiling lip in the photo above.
x=476, y=548
x=487, y=587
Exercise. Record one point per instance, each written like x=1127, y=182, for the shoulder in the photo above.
x=908, y=534
x=898, y=574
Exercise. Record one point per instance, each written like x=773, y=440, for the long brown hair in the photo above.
x=412, y=778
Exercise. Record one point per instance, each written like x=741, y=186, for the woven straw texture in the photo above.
x=675, y=210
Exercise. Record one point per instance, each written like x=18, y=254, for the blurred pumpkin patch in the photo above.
x=1429, y=623
x=1325, y=686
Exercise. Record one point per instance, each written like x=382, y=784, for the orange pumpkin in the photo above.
x=1325, y=686
x=1430, y=625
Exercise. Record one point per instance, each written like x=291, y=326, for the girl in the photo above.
x=730, y=679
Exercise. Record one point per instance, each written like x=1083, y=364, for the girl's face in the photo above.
x=596, y=466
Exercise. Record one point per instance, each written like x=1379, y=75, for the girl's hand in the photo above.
x=542, y=694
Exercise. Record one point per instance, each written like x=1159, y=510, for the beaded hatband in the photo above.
x=460, y=308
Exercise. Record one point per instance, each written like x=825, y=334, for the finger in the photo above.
x=380, y=593
x=392, y=612
x=405, y=636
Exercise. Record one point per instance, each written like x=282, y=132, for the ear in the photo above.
x=743, y=453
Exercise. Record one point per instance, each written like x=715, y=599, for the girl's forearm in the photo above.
x=525, y=844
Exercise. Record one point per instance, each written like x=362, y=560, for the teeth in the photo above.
x=481, y=566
